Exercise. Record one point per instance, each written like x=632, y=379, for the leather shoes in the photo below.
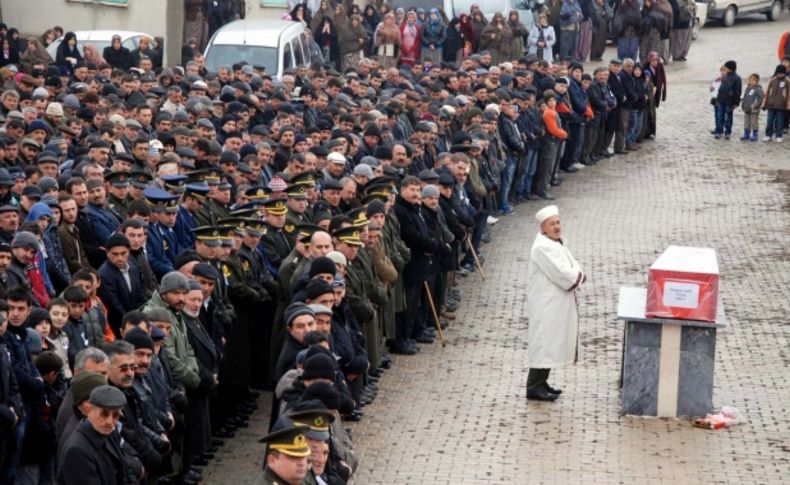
x=540, y=394
x=402, y=349
x=570, y=170
x=546, y=197
x=553, y=390
x=198, y=461
x=224, y=432
x=216, y=443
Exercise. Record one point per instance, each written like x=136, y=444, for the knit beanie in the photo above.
x=322, y=265
x=173, y=281
x=25, y=239
x=82, y=385
x=430, y=191
x=117, y=240
x=139, y=338
x=319, y=366
x=296, y=310
x=317, y=288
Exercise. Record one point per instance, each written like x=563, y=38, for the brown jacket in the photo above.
x=73, y=249
x=385, y=270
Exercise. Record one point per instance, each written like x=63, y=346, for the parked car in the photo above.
x=274, y=45
x=728, y=10
x=700, y=17
x=101, y=39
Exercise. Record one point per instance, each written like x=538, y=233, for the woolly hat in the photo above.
x=117, y=240
x=430, y=191
x=374, y=207
x=295, y=310
x=83, y=384
x=319, y=366
x=139, y=338
x=322, y=265
x=173, y=281
x=25, y=239
x=316, y=288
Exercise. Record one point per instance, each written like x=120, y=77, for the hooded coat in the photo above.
x=57, y=267
x=496, y=39
x=65, y=51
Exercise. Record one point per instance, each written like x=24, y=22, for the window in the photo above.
x=221, y=55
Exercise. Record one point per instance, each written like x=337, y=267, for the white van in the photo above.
x=268, y=43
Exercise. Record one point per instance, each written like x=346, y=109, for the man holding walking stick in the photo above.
x=553, y=277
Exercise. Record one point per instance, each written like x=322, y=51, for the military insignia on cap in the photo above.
x=289, y=228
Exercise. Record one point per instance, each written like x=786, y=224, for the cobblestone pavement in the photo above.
x=459, y=415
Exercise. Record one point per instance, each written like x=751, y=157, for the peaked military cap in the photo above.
x=358, y=217
x=317, y=417
x=296, y=191
x=289, y=441
x=349, y=235
x=161, y=200
x=196, y=190
x=141, y=180
x=276, y=207
x=305, y=178
x=258, y=193
x=305, y=231
x=176, y=183
x=209, y=235
x=118, y=179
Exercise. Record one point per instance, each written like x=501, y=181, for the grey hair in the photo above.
x=90, y=354
x=118, y=347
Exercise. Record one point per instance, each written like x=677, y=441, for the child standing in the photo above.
x=752, y=101
x=777, y=94
x=59, y=316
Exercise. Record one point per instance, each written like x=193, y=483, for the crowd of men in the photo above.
x=174, y=241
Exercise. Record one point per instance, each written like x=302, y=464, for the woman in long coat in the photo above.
x=553, y=278
x=496, y=38
x=519, y=32
x=352, y=42
x=68, y=54
x=433, y=37
x=409, y=40
x=327, y=39
x=454, y=43
x=542, y=39
x=387, y=40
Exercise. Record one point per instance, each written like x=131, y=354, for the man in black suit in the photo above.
x=122, y=282
x=10, y=397
x=198, y=427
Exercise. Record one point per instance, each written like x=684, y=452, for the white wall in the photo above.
x=35, y=16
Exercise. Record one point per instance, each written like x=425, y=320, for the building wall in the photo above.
x=35, y=16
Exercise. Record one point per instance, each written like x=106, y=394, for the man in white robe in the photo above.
x=553, y=277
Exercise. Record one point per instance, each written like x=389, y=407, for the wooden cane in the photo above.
x=435, y=315
x=477, y=260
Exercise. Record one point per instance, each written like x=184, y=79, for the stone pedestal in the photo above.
x=668, y=365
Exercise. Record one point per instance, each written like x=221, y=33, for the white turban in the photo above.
x=546, y=212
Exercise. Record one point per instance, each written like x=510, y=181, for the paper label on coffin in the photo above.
x=681, y=294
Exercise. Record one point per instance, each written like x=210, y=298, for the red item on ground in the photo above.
x=683, y=284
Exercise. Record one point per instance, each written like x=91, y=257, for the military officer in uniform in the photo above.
x=118, y=196
x=191, y=202
x=297, y=205
x=139, y=182
x=286, y=457
x=274, y=241
x=308, y=181
x=162, y=246
x=208, y=215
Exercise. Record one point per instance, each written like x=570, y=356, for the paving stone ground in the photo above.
x=459, y=415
